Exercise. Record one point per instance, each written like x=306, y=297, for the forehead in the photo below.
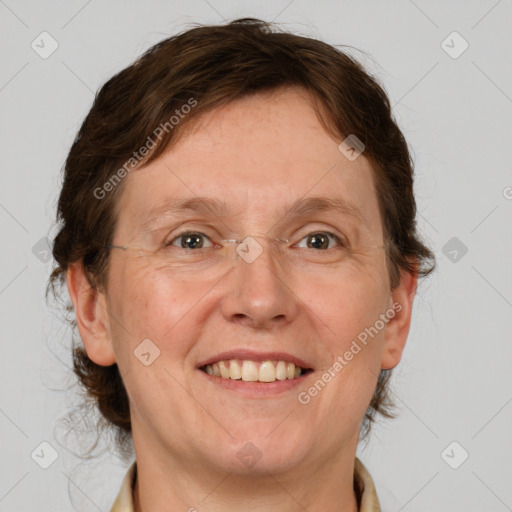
x=253, y=157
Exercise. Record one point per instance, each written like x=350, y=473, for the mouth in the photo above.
x=248, y=370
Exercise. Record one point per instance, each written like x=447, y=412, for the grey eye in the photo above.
x=190, y=240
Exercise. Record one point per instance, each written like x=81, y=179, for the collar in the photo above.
x=363, y=485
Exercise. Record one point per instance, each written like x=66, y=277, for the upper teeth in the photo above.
x=264, y=371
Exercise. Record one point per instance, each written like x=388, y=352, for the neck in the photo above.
x=316, y=486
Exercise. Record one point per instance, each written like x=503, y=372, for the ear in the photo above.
x=91, y=316
x=397, y=329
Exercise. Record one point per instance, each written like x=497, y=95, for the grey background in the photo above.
x=454, y=382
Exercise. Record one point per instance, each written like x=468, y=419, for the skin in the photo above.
x=258, y=154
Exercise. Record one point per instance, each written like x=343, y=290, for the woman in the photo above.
x=238, y=241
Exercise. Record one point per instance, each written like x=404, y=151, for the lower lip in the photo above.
x=256, y=389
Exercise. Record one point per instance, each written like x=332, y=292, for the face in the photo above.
x=303, y=303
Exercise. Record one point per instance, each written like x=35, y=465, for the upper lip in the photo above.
x=251, y=355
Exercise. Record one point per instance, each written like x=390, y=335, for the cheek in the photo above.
x=149, y=301
x=352, y=310
x=348, y=302
x=145, y=304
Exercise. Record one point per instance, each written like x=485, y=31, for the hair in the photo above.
x=208, y=67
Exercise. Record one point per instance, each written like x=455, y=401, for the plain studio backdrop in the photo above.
x=447, y=69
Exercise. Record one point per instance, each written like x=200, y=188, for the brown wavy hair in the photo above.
x=216, y=65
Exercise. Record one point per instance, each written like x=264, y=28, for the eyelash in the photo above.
x=180, y=235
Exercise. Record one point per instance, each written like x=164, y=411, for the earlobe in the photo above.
x=397, y=329
x=91, y=316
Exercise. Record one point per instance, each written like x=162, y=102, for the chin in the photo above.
x=274, y=449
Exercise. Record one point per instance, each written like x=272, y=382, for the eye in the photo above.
x=320, y=240
x=189, y=240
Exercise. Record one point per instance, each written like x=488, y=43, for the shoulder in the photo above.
x=365, y=489
x=124, y=499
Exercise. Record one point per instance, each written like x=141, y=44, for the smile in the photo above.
x=254, y=371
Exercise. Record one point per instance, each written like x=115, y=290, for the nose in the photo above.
x=259, y=290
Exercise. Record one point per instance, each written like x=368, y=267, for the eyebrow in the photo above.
x=218, y=208
x=309, y=205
